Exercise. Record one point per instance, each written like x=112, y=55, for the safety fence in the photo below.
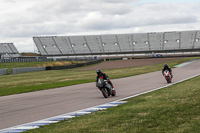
x=34, y=69
x=27, y=69
x=4, y=71
x=43, y=59
x=14, y=60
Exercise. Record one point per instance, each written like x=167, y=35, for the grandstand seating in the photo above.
x=187, y=39
x=141, y=42
x=8, y=50
x=79, y=44
x=110, y=43
x=2, y=49
x=50, y=45
x=125, y=42
x=155, y=41
x=40, y=46
x=171, y=40
x=63, y=44
x=118, y=43
x=196, y=43
x=94, y=44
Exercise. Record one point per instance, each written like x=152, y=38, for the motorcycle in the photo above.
x=168, y=76
x=105, y=88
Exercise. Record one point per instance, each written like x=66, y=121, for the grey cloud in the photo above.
x=164, y=20
x=70, y=14
x=84, y=6
x=52, y=18
x=182, y=19
x=145, y=15
x=9, y=1
x=118, y=1
x=153, y=14
x=28, y=30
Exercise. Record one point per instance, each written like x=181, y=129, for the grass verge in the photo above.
x=35, y=81
x=174, y=109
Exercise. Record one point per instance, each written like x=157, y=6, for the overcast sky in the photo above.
x=21, y=20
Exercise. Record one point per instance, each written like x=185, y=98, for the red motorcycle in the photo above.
x=168, y=76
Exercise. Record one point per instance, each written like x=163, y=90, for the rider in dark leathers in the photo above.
x=102, y=75
x=166, y=67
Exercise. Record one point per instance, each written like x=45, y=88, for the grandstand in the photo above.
x=157, y=42
x=8, y=50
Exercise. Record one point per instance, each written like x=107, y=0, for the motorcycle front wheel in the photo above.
x=104, y=92
x=168, y=79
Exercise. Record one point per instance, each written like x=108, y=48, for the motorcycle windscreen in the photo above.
x=100, y=83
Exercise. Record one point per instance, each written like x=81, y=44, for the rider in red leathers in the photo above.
x=166, y=67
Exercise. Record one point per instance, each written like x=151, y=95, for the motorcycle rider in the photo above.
x=102, y=75
x=166, y=67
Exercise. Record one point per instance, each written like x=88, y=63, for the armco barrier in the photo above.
x=33, y=69
x=41, y=59
x=4, y=71
x=27, y=69
x=73, y=65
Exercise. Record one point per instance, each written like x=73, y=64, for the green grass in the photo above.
x=174, y=109
x=35, y=81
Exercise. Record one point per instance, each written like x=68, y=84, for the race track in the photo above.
x=29, y=107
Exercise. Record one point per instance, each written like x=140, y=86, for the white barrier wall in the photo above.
x=27, y=69
x=4, y=71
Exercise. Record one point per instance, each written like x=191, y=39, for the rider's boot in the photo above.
x=113, y=91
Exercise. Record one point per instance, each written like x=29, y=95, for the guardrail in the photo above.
x=41, y=59
x=34, y=69
x=4, y=71
x=27, y=69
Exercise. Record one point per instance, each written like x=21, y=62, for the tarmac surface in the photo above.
x=28, y=107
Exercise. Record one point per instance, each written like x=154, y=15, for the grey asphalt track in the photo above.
x=28, y=107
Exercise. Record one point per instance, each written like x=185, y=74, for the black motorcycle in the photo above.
x=105, y=88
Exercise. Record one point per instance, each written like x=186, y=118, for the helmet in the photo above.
x=99, y=71
x=165, y=65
